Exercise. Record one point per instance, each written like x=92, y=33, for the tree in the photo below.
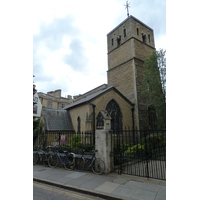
x=36, y=122
x=161, y=59
x=154, y=81
x=34, y=91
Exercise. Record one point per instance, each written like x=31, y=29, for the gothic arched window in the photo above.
x=116, y=115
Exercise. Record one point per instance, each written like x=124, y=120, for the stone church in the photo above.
x=128, y=45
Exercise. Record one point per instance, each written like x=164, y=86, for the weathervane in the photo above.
x=127, y=6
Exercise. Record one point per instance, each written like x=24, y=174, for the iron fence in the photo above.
x=68, y=140
x=140, y=152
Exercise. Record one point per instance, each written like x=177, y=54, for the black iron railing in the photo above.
x=140, y=152
x=70, y=140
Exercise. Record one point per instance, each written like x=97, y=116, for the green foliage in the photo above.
x=154, y=82
x=147, y=144
x=87, y=147
x=136, y=149
x=75, y=141
x=162, y=68
x=77, y=146
x=36, y=124
x=121, y=148
x=66, y=147
x=154, y=141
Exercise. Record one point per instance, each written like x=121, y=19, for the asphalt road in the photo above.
x=46, y=192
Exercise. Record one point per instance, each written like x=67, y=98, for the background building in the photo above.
x=54, y=100
x=37, y=107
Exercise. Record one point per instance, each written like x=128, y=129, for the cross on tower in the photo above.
x=127, y=6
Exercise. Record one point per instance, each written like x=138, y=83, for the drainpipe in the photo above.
x=93, y=106
x=132, y=109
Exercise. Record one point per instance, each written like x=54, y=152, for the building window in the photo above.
x=35, y=99
x=112, y=42
x=61, y=106
x=119, y=40
x=34, y=109
x=124, y=32
x=137, y=31
x=149, y=38
x=79, y=125
x=100, y=121
x=143, y=37
x=49, y=104
x=116, y=115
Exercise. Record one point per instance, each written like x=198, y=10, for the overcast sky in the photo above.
x=70, y=40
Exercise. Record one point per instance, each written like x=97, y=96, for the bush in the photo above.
x=76, y=145
x=75, y=141
x=136, y=149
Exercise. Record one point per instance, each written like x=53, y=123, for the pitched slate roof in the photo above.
x=87, y=98
x=57, y=120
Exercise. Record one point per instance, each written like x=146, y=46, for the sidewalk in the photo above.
x=108, y=186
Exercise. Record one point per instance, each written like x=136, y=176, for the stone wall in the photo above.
x=122, y=77
x=125, y=63
x=142, y=50
x=101, y=103
x=120, y=55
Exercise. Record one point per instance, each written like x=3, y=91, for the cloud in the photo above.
x=52, y=33
x=152, y=13
x=57, y=43
x=77, y=58
x=70, y=44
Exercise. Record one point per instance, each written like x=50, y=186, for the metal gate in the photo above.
x=140, y=152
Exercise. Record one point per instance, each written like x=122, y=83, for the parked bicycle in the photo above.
x=67, y=159
x=41, y=155
x=87, y=161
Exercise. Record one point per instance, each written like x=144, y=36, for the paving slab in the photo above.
x=123, y=191
x=144, y=195
x=92, y=183
x=160, y=197
x=150, y=187
x=133, y=184
x=162, y=190
x=54, y=177
x=107, y=187
x=65, y=180
x=79, y=182
x=76, y=174
x=120, y=180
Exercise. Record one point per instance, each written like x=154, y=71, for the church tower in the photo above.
x=128, y=45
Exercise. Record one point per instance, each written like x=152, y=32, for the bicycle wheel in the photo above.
x=35, y=158
x=45, y=160
x=70, y=162
x=98, y=166
x=53, y=160
x=79, y=163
